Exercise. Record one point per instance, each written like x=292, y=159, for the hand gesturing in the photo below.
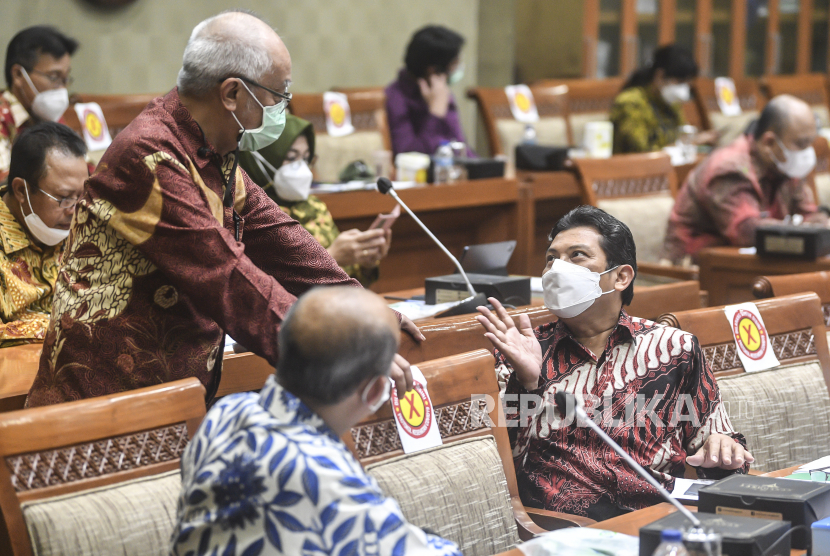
x=518, y=344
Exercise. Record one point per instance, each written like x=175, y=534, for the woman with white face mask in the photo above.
x=283, y=170
x=648, y=111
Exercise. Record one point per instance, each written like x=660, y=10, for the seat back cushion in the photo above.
x=335, y=153
x=647, y=217
x=457, y=491
x=784, y=413
x=823, y=189
x=549, y=131
x=730, y=127
x=131, y=518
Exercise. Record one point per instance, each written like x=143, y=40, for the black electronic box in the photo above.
x=513, y=290
x=741, y=536
x=787, y=240
x=799, y=502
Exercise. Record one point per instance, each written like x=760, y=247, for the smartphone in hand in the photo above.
x=385, y=221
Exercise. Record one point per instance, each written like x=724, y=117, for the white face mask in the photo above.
x=42, y=232
x=797, y=164
x=293, y=181
x=569, y=289
x=383, y=398
x=677, y=93
x=48, y=105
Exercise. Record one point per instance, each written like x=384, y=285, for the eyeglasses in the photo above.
x=63, y=202
x=286, y=97
x=56, y=78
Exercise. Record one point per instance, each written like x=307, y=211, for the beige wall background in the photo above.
x=346, y=43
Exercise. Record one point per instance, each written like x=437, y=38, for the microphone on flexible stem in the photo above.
x=468, y=305
x=567, y=405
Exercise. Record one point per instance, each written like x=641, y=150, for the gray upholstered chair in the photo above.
x=464, y=490
x=97, y=476
x=784, y=412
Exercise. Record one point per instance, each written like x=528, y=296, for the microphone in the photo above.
x=475, y=299
x=567, y=405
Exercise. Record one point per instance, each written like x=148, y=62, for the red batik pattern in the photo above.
x=569, y=468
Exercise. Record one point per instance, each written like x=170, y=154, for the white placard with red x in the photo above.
x=751, y=338
x=415, y=417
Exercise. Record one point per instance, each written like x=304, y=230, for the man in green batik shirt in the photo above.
x=283, y=170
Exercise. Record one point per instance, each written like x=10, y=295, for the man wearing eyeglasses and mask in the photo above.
x=172, y=245
x=38, y=63
x=757, y=179
x=45, y=181
x=648, y=385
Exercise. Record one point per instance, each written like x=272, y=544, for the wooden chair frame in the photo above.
x=453, y=381
x=809, y=87
x=119, y=110
x=617, y=177
x=367, y=105
x=586, y=96
x=129, y=435
x=747, y=90
x=764, y=287
x=795, y=324
x=493, y=105
x=452, y=335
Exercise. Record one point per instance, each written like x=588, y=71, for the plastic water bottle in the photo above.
x=671, y=544
x=529, y=135
x=443, y=162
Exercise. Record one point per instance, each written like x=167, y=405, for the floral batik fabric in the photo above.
x=153, y=273
x=643, y=122
x=265, y=475
x=27, y=279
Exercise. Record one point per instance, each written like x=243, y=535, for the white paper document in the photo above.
x=581, y=541
x=686, y=489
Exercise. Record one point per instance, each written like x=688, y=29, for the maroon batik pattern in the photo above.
x=569, y=468
x=152, y=273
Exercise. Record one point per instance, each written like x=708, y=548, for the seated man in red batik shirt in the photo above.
x=646, y=384
x=757, y=179
x=37, y=73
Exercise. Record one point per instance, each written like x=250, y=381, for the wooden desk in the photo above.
x=727, y=275
x=459, y=214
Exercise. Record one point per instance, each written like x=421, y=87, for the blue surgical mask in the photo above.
x=273, y=122
x=457, y=75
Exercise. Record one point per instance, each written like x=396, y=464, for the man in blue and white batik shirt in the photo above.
x=267, y=473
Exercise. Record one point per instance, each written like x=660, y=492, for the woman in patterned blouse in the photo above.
x=282, y=169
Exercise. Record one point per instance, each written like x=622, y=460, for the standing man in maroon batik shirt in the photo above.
x=648, y=385
x=172, y=244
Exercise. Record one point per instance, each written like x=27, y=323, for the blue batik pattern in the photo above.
x=265, y=475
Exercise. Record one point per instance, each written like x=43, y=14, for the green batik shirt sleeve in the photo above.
x=633, y=120
x=314, y=216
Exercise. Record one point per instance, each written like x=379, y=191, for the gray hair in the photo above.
x=211, y=55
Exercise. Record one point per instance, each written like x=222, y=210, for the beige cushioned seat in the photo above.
x=783, y=412
x=549, y=131
x=647, y=217
x=823, y=189
x=335, y=153
x=457, y=490
x=132, y=518
x=822, y=113
x=730, y=127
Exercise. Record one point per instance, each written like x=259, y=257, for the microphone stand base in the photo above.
x=465, y=307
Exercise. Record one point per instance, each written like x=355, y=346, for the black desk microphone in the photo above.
x=468, y=305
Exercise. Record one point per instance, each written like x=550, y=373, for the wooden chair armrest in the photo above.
x=526, y=526
x=669, y=271
x=549, y=520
